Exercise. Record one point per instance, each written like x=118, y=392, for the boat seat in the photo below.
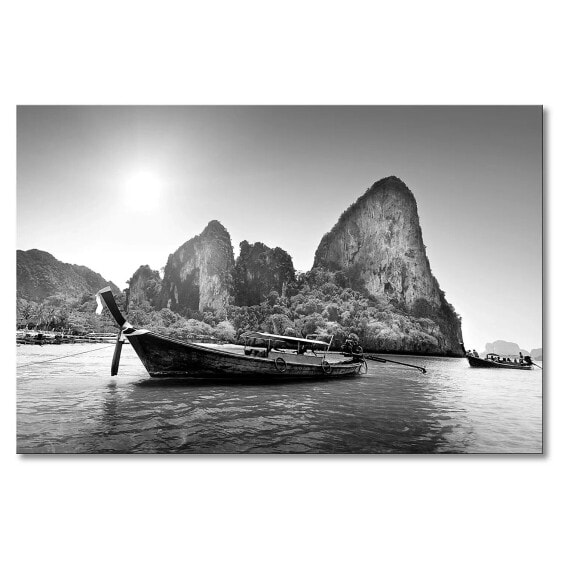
x=261, y=353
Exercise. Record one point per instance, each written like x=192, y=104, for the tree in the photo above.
x=225, y=331
x=25, y=311
x=39, y=315
x=277, y=324
x=331, y=312
x=310, y=324
x=273, y=297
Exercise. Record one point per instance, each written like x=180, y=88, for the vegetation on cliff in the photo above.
x=56, y=295
x=319, y=302
x=371, y=277
x=145, y=286
x=41, y=276
x=68, y=316
x=378, y=244
x=259, y=270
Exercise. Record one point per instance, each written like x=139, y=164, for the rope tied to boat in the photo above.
x=380, y=359
x=65, y=356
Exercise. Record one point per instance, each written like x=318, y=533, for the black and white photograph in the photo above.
x=285, y=280
x=279, y=279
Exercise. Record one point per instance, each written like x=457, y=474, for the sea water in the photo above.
x=73, y=405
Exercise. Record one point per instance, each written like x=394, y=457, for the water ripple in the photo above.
x=74, y=406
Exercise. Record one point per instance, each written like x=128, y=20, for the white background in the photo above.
x=385, y=507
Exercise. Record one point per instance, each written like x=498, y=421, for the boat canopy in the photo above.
x=273, y=337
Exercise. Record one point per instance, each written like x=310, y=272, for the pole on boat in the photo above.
x=120, y=341
x=380, y=359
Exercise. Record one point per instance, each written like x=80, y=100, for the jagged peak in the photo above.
x=390, y=183
x=145, y=268
x=248, y=246
x=385, y=184
x=215, y=227
x=260, y=247
x=143, y=271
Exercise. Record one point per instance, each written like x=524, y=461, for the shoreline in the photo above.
x=51, y=338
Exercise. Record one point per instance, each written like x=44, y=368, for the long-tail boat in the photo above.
x=264, y=356
x=493, y=360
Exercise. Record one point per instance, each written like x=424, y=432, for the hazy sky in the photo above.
x=113, y=188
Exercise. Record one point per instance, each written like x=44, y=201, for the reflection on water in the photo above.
x=73, y=406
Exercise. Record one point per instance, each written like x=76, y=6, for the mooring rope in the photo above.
x=65, y=356
x=380, y=359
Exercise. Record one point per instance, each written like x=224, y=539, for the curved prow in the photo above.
x=106, y=294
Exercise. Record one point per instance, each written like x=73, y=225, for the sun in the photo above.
x=142, y=190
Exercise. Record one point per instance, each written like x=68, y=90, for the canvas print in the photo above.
x=279, y=279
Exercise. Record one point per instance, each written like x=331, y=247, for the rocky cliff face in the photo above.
x=40, y=275
x=378, y=244
x=199, y=274
x=260, y=270
x=145, y=286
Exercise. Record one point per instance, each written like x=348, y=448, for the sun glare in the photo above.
x=142, y=190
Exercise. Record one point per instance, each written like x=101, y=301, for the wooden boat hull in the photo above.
x=484, y=363
x=166, y=357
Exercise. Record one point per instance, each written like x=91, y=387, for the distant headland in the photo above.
x=506, y=348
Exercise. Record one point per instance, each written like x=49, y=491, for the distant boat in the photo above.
x=493, y=360
x=264, y=356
